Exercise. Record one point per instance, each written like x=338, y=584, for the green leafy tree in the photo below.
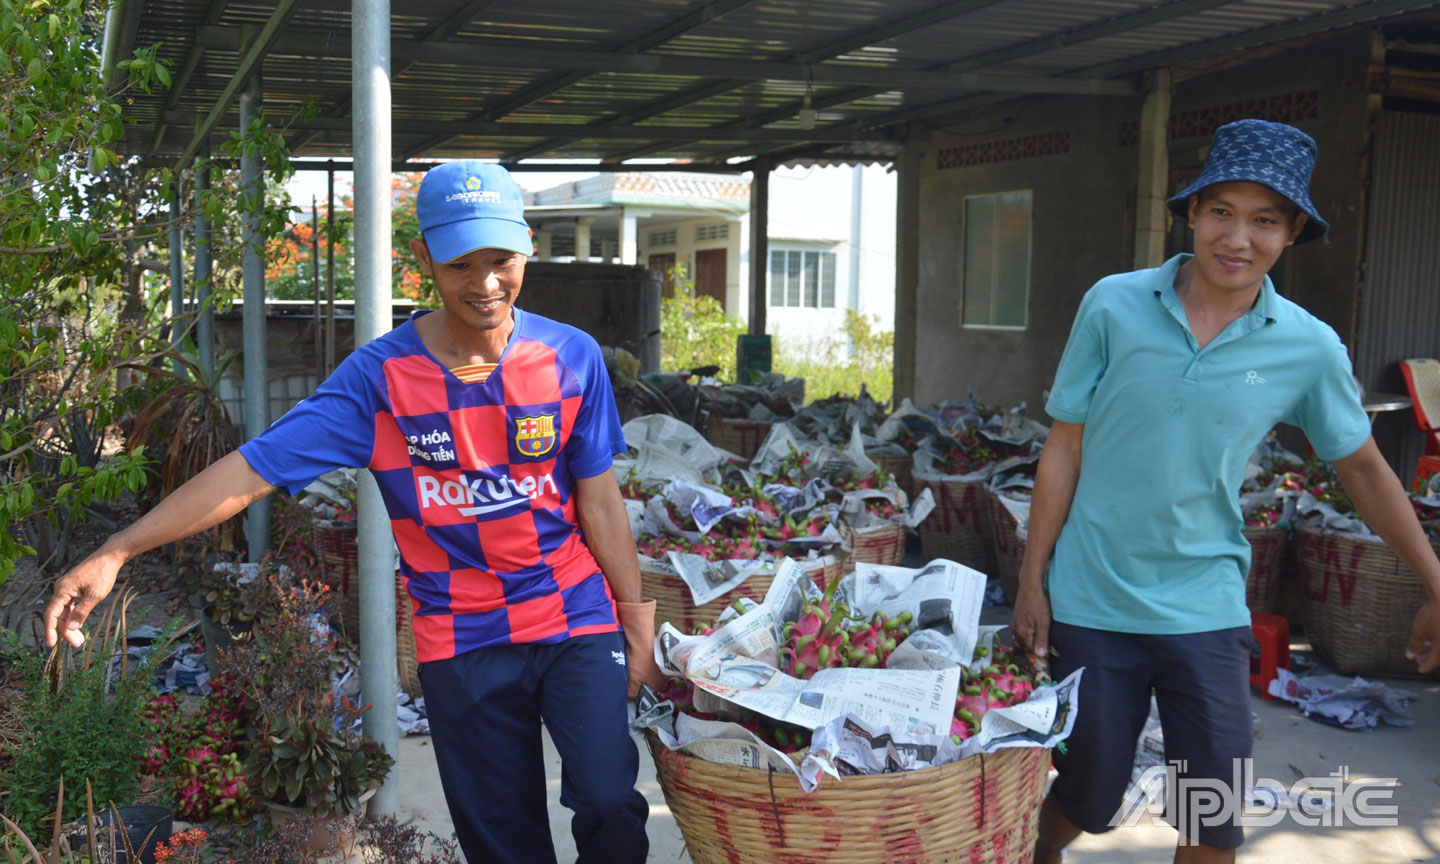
x=695, y=331
x=80, y=229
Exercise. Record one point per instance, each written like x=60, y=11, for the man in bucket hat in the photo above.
x=490, y=431
x=1144, y=570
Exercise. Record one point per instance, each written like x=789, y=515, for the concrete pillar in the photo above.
x=252, y=268
x=857, y=197
x=370, y=77
x=545, y=239
x=1151, y=224
x=629, y=236
x=907, y=261
x=759, y=245
x=582, y=240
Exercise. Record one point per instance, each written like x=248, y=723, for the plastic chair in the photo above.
x=1422, y=379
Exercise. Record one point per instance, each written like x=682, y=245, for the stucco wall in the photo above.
x=1079, y=227
x=1083, y=212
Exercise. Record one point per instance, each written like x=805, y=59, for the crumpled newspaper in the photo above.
x=1350, y=703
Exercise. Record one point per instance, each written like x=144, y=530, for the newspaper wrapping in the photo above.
x=911, y=702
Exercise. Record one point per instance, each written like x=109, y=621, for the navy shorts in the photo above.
x=1201, y=683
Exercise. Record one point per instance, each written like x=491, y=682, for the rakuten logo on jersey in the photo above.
x=483, y=495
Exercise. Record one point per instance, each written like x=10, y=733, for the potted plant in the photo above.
x=305, y=759
x=232, y=597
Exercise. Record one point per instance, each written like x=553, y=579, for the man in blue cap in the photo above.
x=490, y=432
x=1144, y=568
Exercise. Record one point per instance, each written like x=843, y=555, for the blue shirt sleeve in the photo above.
x=596, y=436
x=1082, y=365
x=1330, y=413
x=334, y=428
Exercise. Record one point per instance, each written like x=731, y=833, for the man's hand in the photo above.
x=1030, y=621
x=1424, y=646
x=638, y=620
x=78, y=592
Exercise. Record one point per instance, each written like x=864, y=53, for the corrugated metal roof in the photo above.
x=440, y=86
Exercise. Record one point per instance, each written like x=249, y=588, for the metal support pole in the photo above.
x=315, y=282
x=759, y=244
x=370, y=74
x=1150, y=195
x=907, y=263
x=205, y=324
x=177, y=277
x=329, y=274
x=252, y=268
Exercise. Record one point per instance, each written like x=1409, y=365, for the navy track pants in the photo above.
x=485, y=708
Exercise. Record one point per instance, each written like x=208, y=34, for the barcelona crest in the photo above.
x=535, y=436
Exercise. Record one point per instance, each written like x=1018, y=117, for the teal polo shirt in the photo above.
x=1153, y=541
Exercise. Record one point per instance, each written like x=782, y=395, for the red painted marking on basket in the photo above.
x=907, y=847
x=764, y=814
x=958, y=513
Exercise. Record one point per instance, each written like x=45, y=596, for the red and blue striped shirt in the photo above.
x=478, y=477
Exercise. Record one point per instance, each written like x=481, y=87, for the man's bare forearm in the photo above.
x=1055, y=480
x=223, y=489
x=601, y=512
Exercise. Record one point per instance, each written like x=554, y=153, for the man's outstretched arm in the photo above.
x=226, y=487
x=1385, y=507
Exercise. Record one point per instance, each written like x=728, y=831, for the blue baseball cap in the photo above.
x=1275, y=155
x=469, y=205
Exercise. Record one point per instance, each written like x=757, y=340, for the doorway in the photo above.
x=710, y=274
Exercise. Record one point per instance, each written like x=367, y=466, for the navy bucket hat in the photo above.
x=1277, y=156
x=469, y=205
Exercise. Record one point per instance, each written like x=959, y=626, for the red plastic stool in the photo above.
x=1424, y=467
x=1272, y=649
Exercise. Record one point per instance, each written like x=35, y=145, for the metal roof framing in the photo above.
x=249, y=62
x=704, y=80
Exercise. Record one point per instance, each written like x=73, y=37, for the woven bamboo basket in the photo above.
x=339, y=555
x=738, y=435
x=981, y=810
x=1267, y=554
x=1007, y=546
x=959, y=527
x=674, y=603
x=1360, y=602
x=407, y=663
x=882, y=544
x=902, y=465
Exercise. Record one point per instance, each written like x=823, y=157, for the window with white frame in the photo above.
x=802, y=278
x=718, y=231
x=662, y=238
x=995, y=286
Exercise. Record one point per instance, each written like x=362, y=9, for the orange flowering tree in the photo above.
x=290, y=258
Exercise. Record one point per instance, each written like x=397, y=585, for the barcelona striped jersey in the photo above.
x=477, y=472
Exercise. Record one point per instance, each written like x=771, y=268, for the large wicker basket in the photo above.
x=959, y=527
x=736, y=434
x=901, y=465
x=1267, y=556
x=1360, y=602
x=407, y=663
x=674, y=603
x=338, y=553
x=882, y=544
x=981, y=810
x=1008, y=546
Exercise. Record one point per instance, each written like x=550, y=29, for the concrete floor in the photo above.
x=1288, y=746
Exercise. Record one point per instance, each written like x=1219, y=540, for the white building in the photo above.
x=831, y=238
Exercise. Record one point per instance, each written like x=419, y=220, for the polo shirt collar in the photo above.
x=1263, y=312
